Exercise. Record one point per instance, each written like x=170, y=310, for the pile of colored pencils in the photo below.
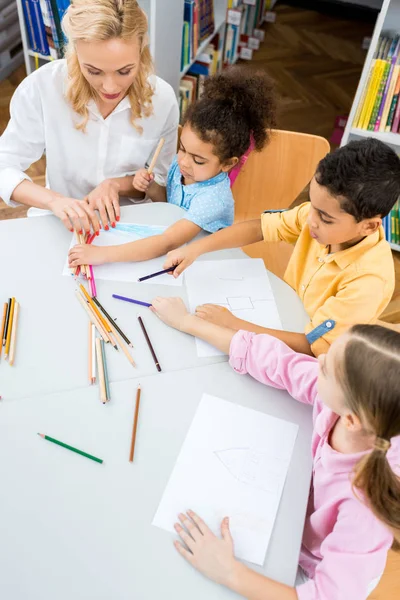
x=86, y=270
x=9, y=326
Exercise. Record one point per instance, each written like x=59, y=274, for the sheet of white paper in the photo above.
x=242, y=286
x=130, y=272
x=233, y=463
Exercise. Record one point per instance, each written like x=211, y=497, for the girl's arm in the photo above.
x=264, y=357
x=151, y=247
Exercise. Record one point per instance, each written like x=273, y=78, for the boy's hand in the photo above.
x=219, y=315
x=172, y=311
x=207, y=553
x=85, y=254
x=181, y=258
x=142, y=180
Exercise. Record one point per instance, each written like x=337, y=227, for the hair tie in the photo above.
x=382, y=445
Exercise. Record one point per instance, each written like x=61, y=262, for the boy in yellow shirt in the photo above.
x=341, y=267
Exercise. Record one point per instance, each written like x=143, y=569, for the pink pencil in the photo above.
x=92, y=282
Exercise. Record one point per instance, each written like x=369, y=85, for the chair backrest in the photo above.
x=273, y=178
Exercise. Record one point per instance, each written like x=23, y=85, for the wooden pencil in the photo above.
x=9, y=328
x=93, y=342
x=111, y=321
x=100, y=370
x=149, y=344
x=123, y=348
x=156, y=153
x=13, y=343
x=90, y=352
x=97, y=312
x=7, y=321
x=135, y=422
x=106, y=380
x=3, y=325
x=92, y=316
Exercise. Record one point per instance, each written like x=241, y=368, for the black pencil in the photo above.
x=7, y=322
x=169, y=270
x=103, y=310
x=149, y=344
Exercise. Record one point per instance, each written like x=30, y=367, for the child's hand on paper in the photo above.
x=207, y=553
x=85, y=254
x=218, y=315
x=142, y=180
x=172, y=311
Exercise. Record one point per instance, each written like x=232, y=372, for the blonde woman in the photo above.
x=98, y=114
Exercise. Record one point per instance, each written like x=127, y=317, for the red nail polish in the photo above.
x=118, y=218
x=97, y=232
x=106, y=227
x=81, y=232
x=112, y=224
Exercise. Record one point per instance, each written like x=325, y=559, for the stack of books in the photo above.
x=43, y=25
x=379, y=107
x=391, y=225
x=198, y=25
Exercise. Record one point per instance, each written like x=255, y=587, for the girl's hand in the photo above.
x=76, y=215
x=172, y=311
x=208, y=554
x=85, y=254
x=181, y=258
x=142, y=180
x=219, y=315
x=105, y=199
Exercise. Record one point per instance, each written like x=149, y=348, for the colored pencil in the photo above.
x=149, y=344
x=135, y=422
x=68, y=447
x=92, y=282
x=9, y=328
x=3, y=325
x=157, y=274
x=93, y=344
x=98, y=314
x=90, y=350
x=100, y=370
x=156, y=153
x=13, y=343
x=92, y=316
x=112, y=322
x=106, y=380
x=123, y=347
x=7, y=321
x=131, y=300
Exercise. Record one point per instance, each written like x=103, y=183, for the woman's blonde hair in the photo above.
x=370, y=378
x=100, y=20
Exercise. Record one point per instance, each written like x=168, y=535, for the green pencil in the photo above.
x=50, y=439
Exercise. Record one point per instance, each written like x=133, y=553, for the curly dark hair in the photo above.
x=235, y=105
x=364, y=176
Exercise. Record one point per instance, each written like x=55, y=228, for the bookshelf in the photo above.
x=388, y=22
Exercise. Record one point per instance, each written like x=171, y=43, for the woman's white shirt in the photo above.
x=42, y=120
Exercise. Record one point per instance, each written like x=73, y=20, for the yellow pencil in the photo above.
x=3, y=326
x=14, y=334
x=10, y=324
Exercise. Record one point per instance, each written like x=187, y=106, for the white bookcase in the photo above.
x=165, y=30
x=388, y=21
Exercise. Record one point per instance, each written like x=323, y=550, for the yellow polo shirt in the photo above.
x=351, y=286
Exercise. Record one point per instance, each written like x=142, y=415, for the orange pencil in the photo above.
x=92, y=317
x=102, y=320
x=3, y=326
x=135, y=422
x=9, y=330
x=14, y=334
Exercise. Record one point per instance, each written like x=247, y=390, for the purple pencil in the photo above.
x=131, y=300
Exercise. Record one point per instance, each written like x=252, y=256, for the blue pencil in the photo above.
x=131, y=300
x=156, y=274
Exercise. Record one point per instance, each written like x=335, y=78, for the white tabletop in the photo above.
x=73, y=529
x=52, y=337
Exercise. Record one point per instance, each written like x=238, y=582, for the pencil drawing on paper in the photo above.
x=252, y=467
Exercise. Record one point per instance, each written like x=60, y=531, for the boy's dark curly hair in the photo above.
x=235, y=105
x=364, y=176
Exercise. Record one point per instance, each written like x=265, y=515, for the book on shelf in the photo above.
x=379, y=109
x=35, y=27
x=198, y=25
x=43, y=25
x=391, y=225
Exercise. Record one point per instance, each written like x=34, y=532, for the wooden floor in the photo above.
x=316, y=61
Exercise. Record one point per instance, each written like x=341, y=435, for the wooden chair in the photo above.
x=273, y=178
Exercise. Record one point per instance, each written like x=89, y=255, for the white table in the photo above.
x=73, y=529
x=52, y=338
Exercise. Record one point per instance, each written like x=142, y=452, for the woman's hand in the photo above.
x=181, y=258
x=85, y=254
x=142, y=180
x=208, y=554
x=218, y=315
x=105, y=199
x=172, y=311
x=75, y=214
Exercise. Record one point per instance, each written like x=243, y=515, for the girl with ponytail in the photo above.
x=236, y=109
x=353, y=514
